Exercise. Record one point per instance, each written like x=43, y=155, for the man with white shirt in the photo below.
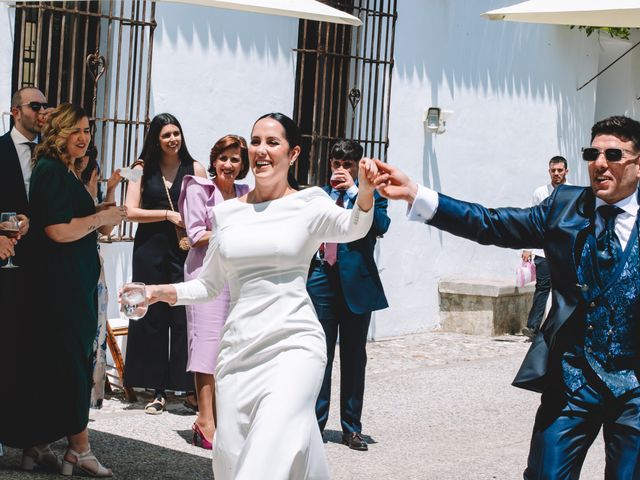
x=28, y=109
x=558, y=174
x=586, y=361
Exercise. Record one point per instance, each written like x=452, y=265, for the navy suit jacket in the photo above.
x=559, y=225
x=13, y=196
x=361, y=285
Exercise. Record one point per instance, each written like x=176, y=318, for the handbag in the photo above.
x=525, y=273
x=181, y=233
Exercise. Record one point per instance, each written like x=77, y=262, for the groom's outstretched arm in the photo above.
x=504, y=227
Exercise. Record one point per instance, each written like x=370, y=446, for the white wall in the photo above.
x=513, y=89
x=7, y=26
x=218, y=70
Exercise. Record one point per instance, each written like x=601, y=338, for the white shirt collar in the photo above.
x=628, y=204
x=19, y=139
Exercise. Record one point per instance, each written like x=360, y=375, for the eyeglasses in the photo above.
x=346, y=164
x=591, y=154
x=35, y=106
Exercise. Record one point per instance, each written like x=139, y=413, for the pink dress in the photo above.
x=204, y=321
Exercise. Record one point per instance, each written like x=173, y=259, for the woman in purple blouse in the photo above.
x=229, y=161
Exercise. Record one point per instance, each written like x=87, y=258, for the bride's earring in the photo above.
x=291, y=163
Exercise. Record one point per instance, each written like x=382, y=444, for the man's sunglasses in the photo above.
x=35, y=106
x=591, y=154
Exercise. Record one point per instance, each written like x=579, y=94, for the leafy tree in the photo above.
x=615, y=32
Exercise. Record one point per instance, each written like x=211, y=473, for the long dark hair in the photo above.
x=292, y=134
x=151, y=152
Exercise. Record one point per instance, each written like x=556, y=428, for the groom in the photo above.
x=586, y=358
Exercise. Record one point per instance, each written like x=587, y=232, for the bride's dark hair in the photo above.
x=292, y=134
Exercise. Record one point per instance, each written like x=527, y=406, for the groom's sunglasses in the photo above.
x=591, y=154
x=35, y=106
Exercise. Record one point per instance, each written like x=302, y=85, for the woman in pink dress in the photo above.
x=229, y=161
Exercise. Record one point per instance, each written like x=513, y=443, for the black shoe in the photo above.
x=354, y=441
x=530, y=334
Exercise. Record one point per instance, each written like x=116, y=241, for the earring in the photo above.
x=291, y=163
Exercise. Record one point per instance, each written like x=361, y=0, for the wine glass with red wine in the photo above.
x=9, y=227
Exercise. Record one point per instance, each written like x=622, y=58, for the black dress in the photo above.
x=157, y=345
x=58, y=367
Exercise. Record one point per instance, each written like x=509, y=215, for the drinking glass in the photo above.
x=9, y=227
x=335, y=181
x=133, y=301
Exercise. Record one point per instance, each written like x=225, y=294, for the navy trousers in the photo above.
x=568, y=423
x=337, y=320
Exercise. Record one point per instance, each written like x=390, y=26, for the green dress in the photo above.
x=68, y=276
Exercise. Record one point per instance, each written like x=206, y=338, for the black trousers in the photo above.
x=540, y=296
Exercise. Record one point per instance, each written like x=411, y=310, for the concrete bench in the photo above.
x=483, y=307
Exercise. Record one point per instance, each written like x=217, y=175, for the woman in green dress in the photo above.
x=64, y=223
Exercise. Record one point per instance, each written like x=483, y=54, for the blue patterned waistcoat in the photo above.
x=611, y=346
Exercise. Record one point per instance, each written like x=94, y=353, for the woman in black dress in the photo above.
x=157, y=345
x=63, y=223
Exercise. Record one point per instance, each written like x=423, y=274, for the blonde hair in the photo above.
x=59, y=126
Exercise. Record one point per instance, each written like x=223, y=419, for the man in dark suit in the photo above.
x=18, y=285
x=345, y=288
x=586, y=358
x=28, y=109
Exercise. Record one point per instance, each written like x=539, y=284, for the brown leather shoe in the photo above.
x=354, y=441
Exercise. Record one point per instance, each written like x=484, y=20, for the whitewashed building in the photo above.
x=512, y=88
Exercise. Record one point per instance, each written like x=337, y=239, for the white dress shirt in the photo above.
x=425, y=206
x=24, y=155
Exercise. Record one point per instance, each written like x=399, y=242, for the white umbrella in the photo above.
x=598, y=13
x=305, y=9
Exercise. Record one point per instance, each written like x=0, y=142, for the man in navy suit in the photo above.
x=586, y=357
x=345, y=288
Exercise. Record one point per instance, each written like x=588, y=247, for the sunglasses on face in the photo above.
x=35, y=106
x=591, y=154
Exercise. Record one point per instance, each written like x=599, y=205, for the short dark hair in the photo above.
x=558, y=159
x=624, y=128
x=230, y=141
x=345, y=149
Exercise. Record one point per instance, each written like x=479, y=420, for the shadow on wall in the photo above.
x=455, y=50
x=238, y=32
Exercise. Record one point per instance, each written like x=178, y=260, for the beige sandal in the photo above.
x=156, y=407
x=41, y=456
x=85, y=462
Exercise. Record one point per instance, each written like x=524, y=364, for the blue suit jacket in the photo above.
x=362, y=288
x=559, y=225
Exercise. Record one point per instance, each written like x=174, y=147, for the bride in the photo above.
x=272, y=352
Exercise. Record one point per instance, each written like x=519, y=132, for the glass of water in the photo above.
x=133, y=301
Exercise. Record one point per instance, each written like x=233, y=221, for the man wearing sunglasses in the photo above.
x=586, y=358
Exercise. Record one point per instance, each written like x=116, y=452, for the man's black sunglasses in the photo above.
x=591, y=154
x=35, y=106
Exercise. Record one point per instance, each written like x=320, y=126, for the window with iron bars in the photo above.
x=96, y=54
x=343, y=84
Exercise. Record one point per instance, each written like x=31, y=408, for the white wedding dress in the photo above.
x=272, y=352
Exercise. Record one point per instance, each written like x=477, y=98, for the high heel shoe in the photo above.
x=199, y=440
x=41, y=456
x=80, y=463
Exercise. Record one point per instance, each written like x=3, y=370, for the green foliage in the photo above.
x=615, y=32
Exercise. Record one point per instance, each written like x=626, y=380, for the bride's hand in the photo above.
x=367, y=173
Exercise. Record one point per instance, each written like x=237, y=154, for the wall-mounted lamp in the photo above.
x=435, y=119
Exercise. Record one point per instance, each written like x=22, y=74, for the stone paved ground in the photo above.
x=438, y=406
